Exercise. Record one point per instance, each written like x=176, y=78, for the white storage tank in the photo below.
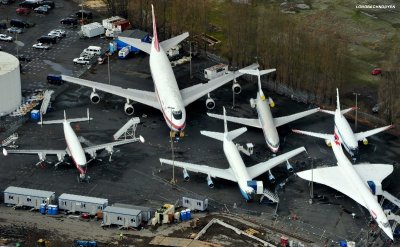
x=10, y=83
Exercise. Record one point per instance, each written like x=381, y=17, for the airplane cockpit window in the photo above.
x=177, y=115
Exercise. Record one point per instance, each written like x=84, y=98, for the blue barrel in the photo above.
x=52, y=210
x=42, y=208
x=188, y=214
x=183, y=215
x=55, y=209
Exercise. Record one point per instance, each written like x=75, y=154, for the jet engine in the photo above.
x=128, y=108
x=271, y=177
x=210, y=182
x=328, y=143
x=185, y=175
x=236, y=88
x=271, y=102
x=365, y=141
x=289, y=167
x=252, y=103
x=210, y=103
x=94, y=97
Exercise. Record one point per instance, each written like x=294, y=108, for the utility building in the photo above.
x=195, y=203
x=82, y=204
x=147, y=213
x=27, y=197
x=124, y=217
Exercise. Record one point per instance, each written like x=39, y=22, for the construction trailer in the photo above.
x=215, y=71
x=82, y=204
x=28, y=197
x=136, y=34
x=195, y=203
x=147, y=213
x=121, y=216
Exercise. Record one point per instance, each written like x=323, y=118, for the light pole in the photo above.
x=173, y=181
x=190, y=55
x=108, y=68
x=356, y=94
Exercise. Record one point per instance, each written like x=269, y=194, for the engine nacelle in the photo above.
x=328, y=143
x=94, y=97
x=271, y=177
x=271, y=102
x=365, y=141
x=289, y=167
x=210, y=182
x=236, y=88
x=210, y=103
x=128, y=108
x=185, y=175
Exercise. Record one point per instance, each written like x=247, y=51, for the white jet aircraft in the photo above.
x=265, y=120
x=167, y=97
x=237, y=171
x=346, y=136
x=74, y=148
x=353, y=181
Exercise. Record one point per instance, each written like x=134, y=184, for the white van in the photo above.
x=93, y=50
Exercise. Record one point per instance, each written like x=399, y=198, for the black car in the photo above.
x=28, y=4
x=50, y=3
x=3, y=25
x=84, y=14
x=22, y=57
x=47, y=40
x=20, y=23
x=69, y=21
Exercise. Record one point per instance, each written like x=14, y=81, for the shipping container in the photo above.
x=92, y=30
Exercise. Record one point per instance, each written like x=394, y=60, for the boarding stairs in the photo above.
x=128, y=130
x=10, y=141
x=273, y=197
x=46, y=101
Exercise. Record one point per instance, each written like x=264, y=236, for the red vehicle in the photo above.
x=376, y=71
x=23, y=11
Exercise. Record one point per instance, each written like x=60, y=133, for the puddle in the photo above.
x=58, y=67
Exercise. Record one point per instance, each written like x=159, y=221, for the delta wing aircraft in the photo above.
x=265, y=120
x=344, y=131
x=74, y=148
x=166, y=96
x=237, y=171
x=353, y=181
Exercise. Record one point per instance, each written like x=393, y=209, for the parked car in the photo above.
x=84, y=14
x=29, y=4
x=62, y=32
x=7, y=1
x=47, y=40
x=23, y=11
x=14, y=30
x=4, y=37
x=54, y=79
x=22, y=57
x=3, y=25
x=49, y=3
x=20, y=23
x=41, y=46
x=57, y=33
x=376, y=71
x=69, y=21
x=81, y=60
x=41, y=10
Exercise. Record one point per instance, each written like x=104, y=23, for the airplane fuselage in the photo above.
x=363, y=189
x=75, y=147
x=166, y=89
x=267, y=123
x=345, y=134
x=239, y=168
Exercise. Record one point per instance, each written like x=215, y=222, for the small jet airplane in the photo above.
x=353, y=181
x=343, y=130
x=265, y=120
x=74, y=148
x=237, y=172
x=167, y=97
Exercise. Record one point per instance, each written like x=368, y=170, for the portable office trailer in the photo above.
x=28, y=197
x=125, y=217
x=83, y=204
x=195, y=203
x=215, y=71
x=147, y=213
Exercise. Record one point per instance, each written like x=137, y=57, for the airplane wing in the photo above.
x=169, y=43
x=361, y=135
x=108, y=146
x=332, y=177
x=373, y=172
x=213, y=172
x=287, y=119
x=144, y=97
x=252, y=122
x=137, y=43
x=42, y=153
x=318, y=135
x=257, y=170
x=197, y=91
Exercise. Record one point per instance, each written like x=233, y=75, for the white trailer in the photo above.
x=27, y=197
x=108, y=23
x=195, y=203
x=124, y=217
x=92, y=30
x=82, y=204
x=215, y=71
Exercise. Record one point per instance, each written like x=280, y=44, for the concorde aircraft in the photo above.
x=265, y=120
x=353, y=181
x=237, y=171
x=166, y=96
x=74, y=148
x=347, y=137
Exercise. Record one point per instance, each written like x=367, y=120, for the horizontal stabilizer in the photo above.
x=287, y=119
x=216, y=135
x=235, y=133
x=362, y=135
x=327, y=111
x=256, y=71
x=318, y=135
x=347, y=110
x=170, y=43
x=137, y=43
x=252, y=122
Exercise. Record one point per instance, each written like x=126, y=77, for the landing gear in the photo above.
x=181, y=134
x=83, y=178
x=172, y=134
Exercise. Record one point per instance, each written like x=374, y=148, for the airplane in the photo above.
x=265, y=120
x=353, y=181
x=237, y=172
x=347, y=137
x=167, y=97
x=74, y=148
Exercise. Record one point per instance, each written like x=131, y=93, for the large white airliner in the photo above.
x=167, y=97
x=346, y=136
x=353, y=181
x=237, y=171
x=74, y=148
x=265, y=120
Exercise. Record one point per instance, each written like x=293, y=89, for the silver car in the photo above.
x=14, y=30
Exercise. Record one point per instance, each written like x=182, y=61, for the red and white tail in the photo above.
x=155, y=37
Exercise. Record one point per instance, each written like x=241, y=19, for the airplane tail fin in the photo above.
x=337, y=100
x=155, y=36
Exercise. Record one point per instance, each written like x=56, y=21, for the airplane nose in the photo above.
x=388, y=231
